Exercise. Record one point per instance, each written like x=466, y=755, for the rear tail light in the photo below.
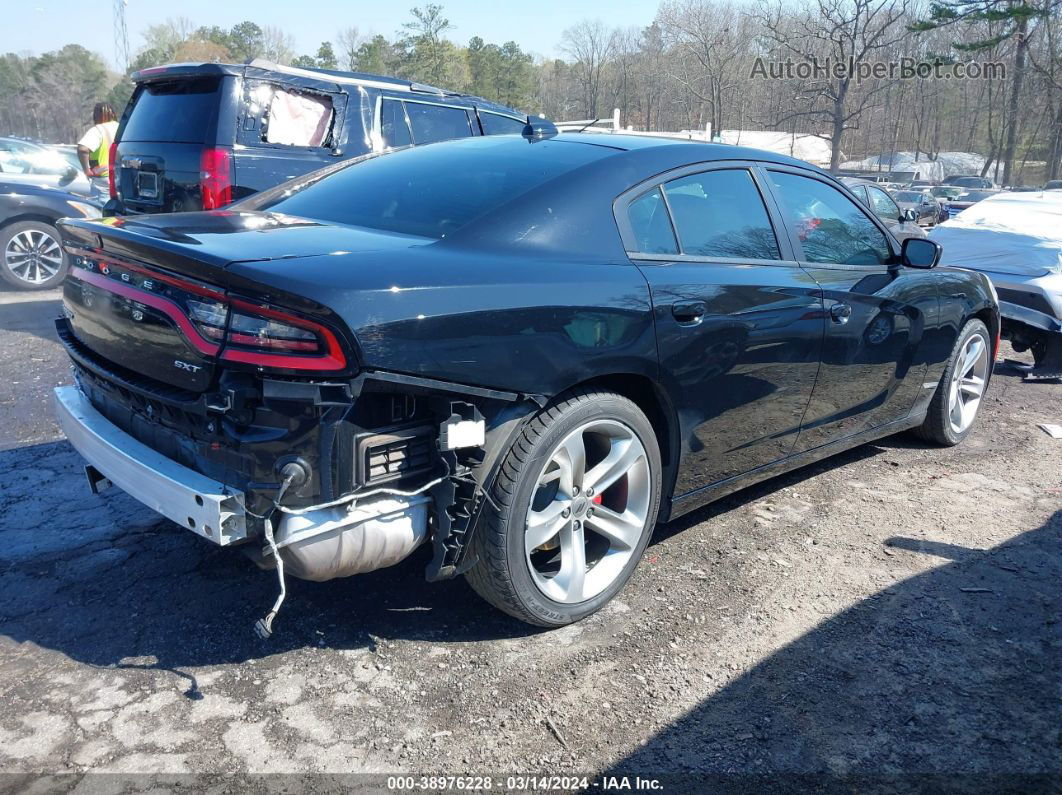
x=215, y=177
x=268, y=337
x=261, y=333
x=242, y=331
x=209, y=318
x=112, y=165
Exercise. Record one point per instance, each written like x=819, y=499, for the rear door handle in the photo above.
x=840, y=312
x=688, y=311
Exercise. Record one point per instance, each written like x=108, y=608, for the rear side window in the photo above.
x=296, y=119
x=393, y=126
x=831, y=227
x=177, y=111
x=721, y=214
x=651, y=224
x=429, y=191
x=495, y=124
x=433, y=123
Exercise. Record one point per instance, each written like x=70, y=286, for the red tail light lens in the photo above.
x=215, y=177
x=214, y=323
x=268, y=337
x=209, y=318
x=271, y=335
x=112, y=166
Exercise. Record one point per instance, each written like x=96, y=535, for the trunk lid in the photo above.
x=150, y=293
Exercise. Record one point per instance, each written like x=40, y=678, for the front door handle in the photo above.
x=840, y=312
x=688, y=311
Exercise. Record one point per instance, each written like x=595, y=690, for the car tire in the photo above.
x=541, y=477
x=947, y=422
x=31, y=256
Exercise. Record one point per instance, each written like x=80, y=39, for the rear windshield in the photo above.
x=429, y=191
x=178, y=111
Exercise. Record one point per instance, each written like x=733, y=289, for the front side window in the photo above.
x=721, y=214
x=831, y=227
x=494, y=124
x=651, y=224
x=433, y=123
x=883, y=205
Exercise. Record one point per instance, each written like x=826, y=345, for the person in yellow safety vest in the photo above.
x=94, y=148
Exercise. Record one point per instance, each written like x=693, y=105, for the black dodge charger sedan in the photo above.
x=521, y=351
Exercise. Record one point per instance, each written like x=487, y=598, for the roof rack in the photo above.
x=352, y=78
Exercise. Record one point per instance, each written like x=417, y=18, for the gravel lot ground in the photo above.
x=892, y=610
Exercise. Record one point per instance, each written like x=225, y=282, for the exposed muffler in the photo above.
x=341, y=541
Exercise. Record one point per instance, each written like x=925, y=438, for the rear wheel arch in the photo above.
x=651, y=399
x=993, y=322
x=987, y=315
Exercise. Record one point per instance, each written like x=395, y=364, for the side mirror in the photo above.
x=909, y=215
x=920, y=252
x=69, y=175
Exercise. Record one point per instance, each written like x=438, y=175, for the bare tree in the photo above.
x=277, y=46
x=846, y=31
x=712, y=41
x=348, y=41
x=590, y=44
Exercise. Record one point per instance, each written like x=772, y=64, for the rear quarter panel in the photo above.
x=530, y=324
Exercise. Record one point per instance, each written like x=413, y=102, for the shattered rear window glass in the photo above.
x=297, y=119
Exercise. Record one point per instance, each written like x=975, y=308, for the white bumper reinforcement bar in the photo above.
x=192, y=500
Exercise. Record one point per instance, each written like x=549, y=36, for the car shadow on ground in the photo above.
x=768, y=487
x=955, y=672
x=106, y=582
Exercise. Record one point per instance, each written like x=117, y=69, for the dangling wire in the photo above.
x=263, y=627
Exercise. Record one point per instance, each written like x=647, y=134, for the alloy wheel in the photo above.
x=588, y=511
x=968, y=383
x=33, y=256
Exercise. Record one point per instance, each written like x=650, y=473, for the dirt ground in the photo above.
x=892, y=611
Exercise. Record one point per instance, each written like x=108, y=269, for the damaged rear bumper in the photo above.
x=319, y=543
x=192, y=500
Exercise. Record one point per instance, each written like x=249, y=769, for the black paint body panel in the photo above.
x=540, y=295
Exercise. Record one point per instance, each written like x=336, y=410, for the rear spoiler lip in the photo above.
x=107, y=236
x=189, y=69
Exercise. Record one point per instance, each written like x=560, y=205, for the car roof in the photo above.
x=302, y=73
x=857, y=181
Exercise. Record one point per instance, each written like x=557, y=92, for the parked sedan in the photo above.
x=524, y=352
x=924, y=207
x=969, y=182
x=967, y=199
x=30, y=255
x=900, y=222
